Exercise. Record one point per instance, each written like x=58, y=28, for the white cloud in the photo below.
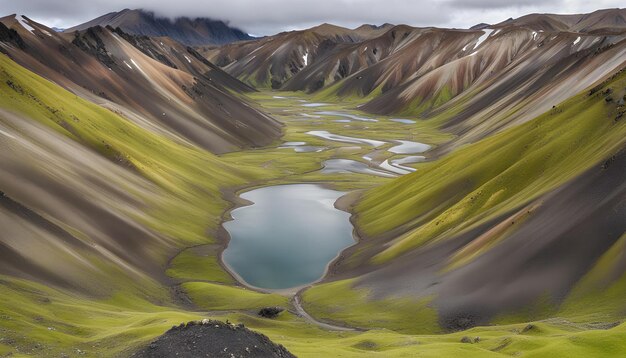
x=272, y=16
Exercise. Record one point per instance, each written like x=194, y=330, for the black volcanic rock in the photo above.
x=143, y=44
x=11, y=36
x=212, y=339
x=192, y=32
x=91, y=42
x=270, y=312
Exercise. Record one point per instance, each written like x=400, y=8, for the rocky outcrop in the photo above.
x=11, y=36
x=209, y=338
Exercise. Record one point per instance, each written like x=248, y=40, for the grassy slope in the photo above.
x=189, y=202
x=495, y=175
x=50, y=323
x=338, y=301
x=477, y=183
x=37, y=320
x=189, y=177
x=190, y=265
x=211, y=296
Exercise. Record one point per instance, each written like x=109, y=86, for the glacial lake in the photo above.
x=287, y=237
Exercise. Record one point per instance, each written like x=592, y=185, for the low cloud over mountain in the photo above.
x=267, y=17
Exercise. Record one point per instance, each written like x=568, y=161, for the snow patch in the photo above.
x=135, y=63
x=534, y=36
x=305, y=59
x=483, y=37
x=21, y=19
x=280, y=48
x=257, y=49
x=129, y=66
x=187, y=58
x=577, y=40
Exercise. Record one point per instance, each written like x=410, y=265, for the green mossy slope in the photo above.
x=491, y=177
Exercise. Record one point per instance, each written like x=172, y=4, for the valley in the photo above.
x=202, y=283
x=391, y=191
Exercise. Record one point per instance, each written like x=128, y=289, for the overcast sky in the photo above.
x=266, y=17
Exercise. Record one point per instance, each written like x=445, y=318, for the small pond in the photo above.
x=288, y=236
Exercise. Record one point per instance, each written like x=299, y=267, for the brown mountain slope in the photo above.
x=271, y=61
x=364, y=57
x=476, y=81
x=99, y=192
x=62, y=203
x=158, y=84
x=514, y=76
x=91, y=201
x=590, y=213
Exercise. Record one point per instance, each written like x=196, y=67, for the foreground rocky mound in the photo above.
x=212, y=339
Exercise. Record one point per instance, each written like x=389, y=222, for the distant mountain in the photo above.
x=529, y=63
x=604, y=21
x=275, y=59
x=480, y=26
x=192, y=32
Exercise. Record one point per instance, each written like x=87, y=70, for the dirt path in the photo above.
x=331, y=327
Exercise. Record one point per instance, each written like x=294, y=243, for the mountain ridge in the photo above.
x=156, y=79
x=189, y=31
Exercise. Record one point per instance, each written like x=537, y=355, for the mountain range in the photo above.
x=127, y=140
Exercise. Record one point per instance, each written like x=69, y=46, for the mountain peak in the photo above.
x=480, y=26
x=192, y=32
x=328, y=27
x=608, y=21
